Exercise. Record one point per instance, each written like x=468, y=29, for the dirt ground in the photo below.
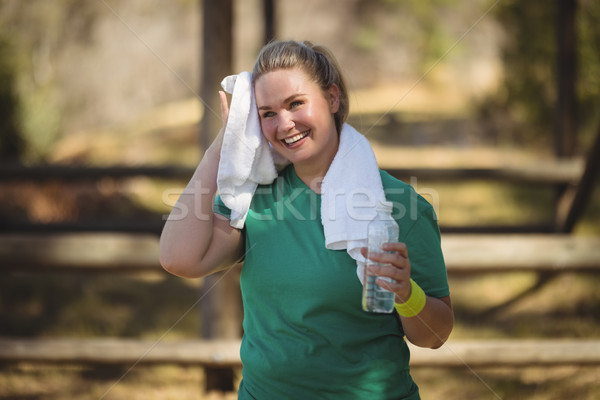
x=186, y=383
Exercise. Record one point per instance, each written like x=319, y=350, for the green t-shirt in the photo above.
x=305, y=333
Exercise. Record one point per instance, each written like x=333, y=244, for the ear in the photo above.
x=333, y=97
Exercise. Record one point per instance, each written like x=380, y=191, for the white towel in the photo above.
x=350, y=192
x=246, y=156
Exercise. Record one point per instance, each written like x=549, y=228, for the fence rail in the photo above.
x=551, y=173
x=559, y=173
x=225, y=353
x=464, y=254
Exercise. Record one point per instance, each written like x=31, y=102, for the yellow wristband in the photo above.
x=415, y=303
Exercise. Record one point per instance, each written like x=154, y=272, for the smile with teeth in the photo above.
x=293, y=139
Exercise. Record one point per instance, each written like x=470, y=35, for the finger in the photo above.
x=393, y=286
x=364, y=251
x=398, y=247
x=399, y=274
x=394, y=258
x=400, y=288
x=224, y=107
x=392, y=246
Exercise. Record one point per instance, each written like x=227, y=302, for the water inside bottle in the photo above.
x=376, y=298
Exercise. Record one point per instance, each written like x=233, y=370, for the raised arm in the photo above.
x=196, y=242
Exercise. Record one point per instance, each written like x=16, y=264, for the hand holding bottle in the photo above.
x=393, y=263
x=387, y=274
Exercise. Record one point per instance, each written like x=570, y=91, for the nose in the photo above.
x=285, y=121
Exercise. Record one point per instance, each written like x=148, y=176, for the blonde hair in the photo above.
x=316, y=61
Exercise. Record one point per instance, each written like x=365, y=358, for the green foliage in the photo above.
x=421, y=23
x=430, y=15
x=405, y=38
x=366, y=38
x=39, y=33
x=41, y=121
x=528, y=95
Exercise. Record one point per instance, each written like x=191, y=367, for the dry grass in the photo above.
x=183, y=383
x=166, y=382
x=558, y=383
x=173, y=382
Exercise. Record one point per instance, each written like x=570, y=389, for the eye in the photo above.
x=296, y=103
x=267, y=114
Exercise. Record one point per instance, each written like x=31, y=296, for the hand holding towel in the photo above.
x=246, y=156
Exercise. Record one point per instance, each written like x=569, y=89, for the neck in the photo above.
x=312, y=171
x=312, y=176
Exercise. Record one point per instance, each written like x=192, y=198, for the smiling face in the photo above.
x=296, y=117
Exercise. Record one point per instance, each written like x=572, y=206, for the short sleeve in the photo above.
x=419, y=230
x=423, y=242
x=220, y=208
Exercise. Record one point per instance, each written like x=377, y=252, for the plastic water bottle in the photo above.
x=383, y=229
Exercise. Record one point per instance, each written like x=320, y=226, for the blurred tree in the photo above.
x=588, y=87
x=37, y=32
x=405, y=38
x=12, y=145
x=528, y=95
x=79, y=65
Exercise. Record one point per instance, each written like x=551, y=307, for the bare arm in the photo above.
x=432, y=326
x=195, y=242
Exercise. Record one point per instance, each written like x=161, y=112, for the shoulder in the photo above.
x=411, y=210
x=401, y=192
x=389, y=181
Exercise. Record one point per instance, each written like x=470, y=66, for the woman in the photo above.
x=305, y=334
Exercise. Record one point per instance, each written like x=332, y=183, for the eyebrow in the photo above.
x=287, y=100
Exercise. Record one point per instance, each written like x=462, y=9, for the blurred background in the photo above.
x=489, y=108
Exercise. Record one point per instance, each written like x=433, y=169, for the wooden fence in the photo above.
x=131, y=253
x=126, y=252
x=558, y=173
